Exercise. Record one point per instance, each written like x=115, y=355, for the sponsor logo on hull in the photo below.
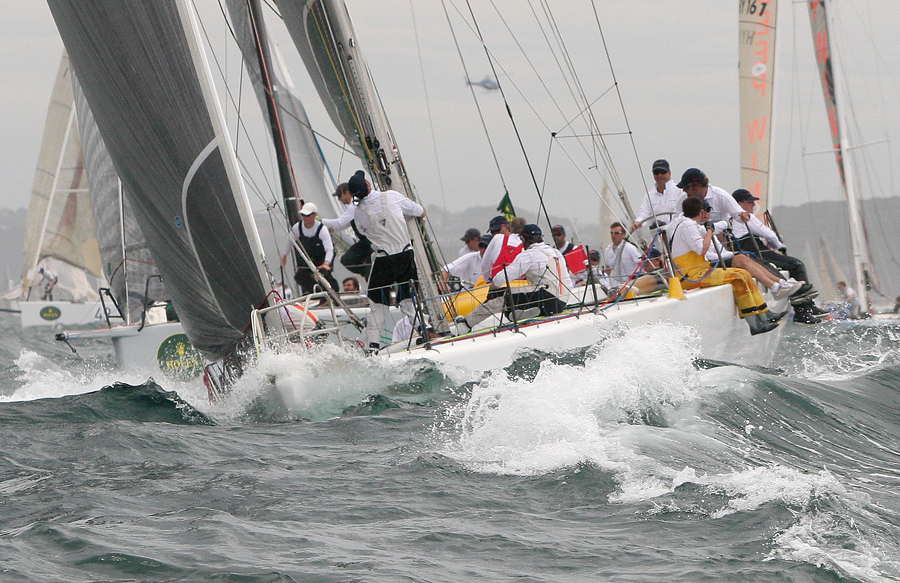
x=50, y=313
x=178, y=359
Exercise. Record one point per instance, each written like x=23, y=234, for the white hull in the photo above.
x=41, y=313
x=157, y=349
x=711, y=311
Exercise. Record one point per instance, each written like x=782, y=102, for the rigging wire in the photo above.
x=437, y=158
x=597, y=192
x=511, y=118
x=475, y=98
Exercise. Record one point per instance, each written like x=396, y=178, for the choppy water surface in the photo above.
x=623, y=462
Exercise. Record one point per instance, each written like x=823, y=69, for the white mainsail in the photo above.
x=60, y=235
x=756, y=68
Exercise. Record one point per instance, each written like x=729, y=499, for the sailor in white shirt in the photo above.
x=664, y=197
x=772, y=250
x=471, y=239
x=380, y=217
x=467, y=268
x=620, y=267
x=548, y=280
x=724, y=208
x=314, y=238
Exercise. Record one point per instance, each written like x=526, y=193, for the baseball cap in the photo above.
x=309, y=209
x=497, y=222
x=691, y=175
x=661, y=165
x=558, y=229
x=470, y=235
x=743, y=195
x=532, y=230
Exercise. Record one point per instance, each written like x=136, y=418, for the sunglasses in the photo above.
x=655, y=172
x=617, y=232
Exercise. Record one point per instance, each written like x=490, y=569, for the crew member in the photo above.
x=315, y=239
x=662, y=198
x=380, y=217
x=690, y=241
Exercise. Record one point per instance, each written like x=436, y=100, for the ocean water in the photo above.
x=623, y=462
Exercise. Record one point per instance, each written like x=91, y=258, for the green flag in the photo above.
x=506, y=208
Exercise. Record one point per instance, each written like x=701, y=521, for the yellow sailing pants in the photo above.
x=746, y=295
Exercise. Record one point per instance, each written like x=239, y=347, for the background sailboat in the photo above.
x=60, y=235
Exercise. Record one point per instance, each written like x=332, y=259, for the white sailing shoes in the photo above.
x=785, y=287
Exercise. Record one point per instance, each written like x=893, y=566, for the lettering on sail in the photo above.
x=760, y=80
x=756, y=129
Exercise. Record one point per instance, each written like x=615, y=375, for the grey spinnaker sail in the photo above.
x=128, y=265
x=60, y=225
x=136, y=65
x=312, y=178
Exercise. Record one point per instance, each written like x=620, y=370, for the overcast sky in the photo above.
x=676, y=64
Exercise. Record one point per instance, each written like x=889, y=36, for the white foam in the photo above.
x=573, y=414
x=829, y=542
x=42, y=378
x=321, y=383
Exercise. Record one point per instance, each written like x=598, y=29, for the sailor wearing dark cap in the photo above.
x=724, y=208
x=380, y=217
x=559, y=239
x=470, y=238
x=467, y=267
x=545, y=269
x=358, y=257
x=661, y=198
x=503, y=248
x=773, y=251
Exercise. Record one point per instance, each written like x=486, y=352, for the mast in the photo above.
x=834, y=90
x=285, y=170
x=858, y=245
x=324, y=36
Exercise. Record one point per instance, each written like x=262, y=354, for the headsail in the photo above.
x=311, y=176
x=324, y=36
x=822, y=43
x=60, y=226
x=756, y=68
x=127, y=262
x=149, y=91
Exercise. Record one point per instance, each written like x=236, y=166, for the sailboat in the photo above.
x=149, y=84
x=62, y=269
x=757, y=53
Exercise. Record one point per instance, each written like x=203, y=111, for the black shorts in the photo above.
x=388, y=270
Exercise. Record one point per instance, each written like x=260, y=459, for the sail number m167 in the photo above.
x=755, y=7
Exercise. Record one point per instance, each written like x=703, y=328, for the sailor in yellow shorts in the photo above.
x=690, y=240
